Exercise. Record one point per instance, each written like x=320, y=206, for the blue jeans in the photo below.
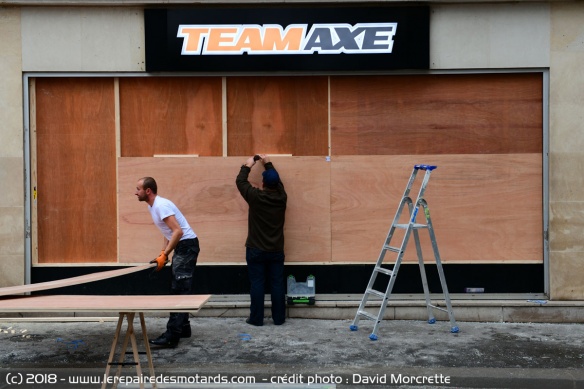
x=184, y=260
x=262, y=265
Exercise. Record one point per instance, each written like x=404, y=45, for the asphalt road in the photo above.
x=228, y=353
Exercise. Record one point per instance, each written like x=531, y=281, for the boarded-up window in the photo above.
x=76, y=165
x=277, y=115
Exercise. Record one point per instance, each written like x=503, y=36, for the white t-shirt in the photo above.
x=163, y=208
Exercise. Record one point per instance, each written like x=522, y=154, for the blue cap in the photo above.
x=271, y=177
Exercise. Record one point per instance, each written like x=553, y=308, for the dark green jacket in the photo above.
x=266, y=215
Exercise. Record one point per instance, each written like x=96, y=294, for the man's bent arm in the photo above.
x=177, y=233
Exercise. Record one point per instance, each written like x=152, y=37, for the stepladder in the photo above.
x=406, y=223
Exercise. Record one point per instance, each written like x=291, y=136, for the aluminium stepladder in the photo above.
x=409, y=227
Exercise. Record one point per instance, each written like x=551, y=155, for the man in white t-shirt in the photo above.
x=180, y=238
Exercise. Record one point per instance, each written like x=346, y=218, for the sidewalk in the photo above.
x=324, y=352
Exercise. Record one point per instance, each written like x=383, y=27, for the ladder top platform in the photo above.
x=425, y=167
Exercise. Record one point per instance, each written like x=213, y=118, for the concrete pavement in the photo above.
x=227, y=352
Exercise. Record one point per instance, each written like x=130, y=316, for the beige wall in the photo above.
x=566, y=156
x=11, y=151
x=487, y=36
x=463, y=36
x=83, y=39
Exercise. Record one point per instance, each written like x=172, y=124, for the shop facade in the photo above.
x=95, y=97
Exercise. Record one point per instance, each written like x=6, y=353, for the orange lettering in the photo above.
x=192, y=42
x=250, y=39
x=273, y=39
x=221, y=39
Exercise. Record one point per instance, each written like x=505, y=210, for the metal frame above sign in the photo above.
x=309, y=38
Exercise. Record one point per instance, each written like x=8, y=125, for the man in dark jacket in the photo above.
x=265, y=239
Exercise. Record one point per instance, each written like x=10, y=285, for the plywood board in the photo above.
x=19, y=289
x=73, y=303
x=484, y=208
x=277, y=115
x=205, y=192
x=437, y=114
x=76, y=170
x=170, y=115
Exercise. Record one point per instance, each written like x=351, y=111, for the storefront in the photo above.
x=346, y=97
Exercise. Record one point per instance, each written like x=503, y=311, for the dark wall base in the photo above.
x=330, y=279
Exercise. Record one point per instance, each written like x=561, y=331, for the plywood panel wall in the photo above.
x=170, y=115
x=437, y=114
x=483, y=131
x=277, y=115
x=76, y=164
x=205, y=192
x=477, y=215
x=484, y=208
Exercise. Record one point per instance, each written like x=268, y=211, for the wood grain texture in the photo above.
x=76, y=170
x=170, y=115
x=73, y=303
x=19, y=289
x=484, y=208
x=205, y=192
x=277, y=115
x=437, y=114
x=483, y=130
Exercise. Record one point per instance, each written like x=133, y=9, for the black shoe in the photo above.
x=186, y=331
x=248, y=321
x=163, y=341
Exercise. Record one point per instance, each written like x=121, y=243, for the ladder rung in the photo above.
x=376, y=292
x=384, y=271
x=367, y=315
x=392, y=248
x=415, y=225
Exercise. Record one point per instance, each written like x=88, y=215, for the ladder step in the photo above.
x=392, y=248
x=367, y=315
x=416, y=226
x=376, y=292
x=384, y=271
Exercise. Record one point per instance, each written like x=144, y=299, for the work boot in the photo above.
x=163, y=341
x=248, y=321
x=186, y=330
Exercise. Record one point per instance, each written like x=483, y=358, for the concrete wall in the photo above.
x=463, y=36
x=83, y=39
x=566, y=157
x=11, y=151
x=489, y=36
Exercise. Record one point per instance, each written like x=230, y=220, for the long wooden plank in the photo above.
x=73, y=303
x=72, y=281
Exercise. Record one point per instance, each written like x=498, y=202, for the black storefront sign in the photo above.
x=333, y=38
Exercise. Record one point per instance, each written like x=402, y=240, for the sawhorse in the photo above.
x=130, y=336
